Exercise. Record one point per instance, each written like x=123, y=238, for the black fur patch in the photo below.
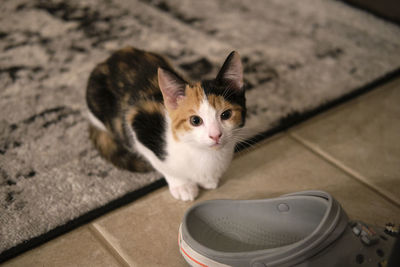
x=231, y=95
x=150, y=130
x=100, y=99
x=234, y=96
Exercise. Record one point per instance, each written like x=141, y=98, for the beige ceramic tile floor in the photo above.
x=352, y=151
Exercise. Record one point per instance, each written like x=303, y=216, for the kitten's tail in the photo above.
x=116, y=153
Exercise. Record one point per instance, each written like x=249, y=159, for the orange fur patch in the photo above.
x=146, y=106
x=103, y=141
x=154, y=82
x=130, y=115
x=127, y=49
x=128, y=71
x=117, y=126
x=151, y=107
x=187, y=107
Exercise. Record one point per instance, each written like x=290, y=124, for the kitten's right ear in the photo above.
x=172, y=88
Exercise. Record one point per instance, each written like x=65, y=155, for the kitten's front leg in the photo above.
x=182, y=189
x=209, y=184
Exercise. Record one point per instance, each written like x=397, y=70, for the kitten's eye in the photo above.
x=226, y=114
x=195, y=120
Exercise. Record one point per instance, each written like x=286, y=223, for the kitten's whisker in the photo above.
x=243, y=139
x=228, y=92
x=225, y=92
x=244, y=146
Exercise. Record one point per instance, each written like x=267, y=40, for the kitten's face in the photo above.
x=206, y=114
x=205, y=119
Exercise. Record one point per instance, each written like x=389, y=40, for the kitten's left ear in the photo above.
x=172, y=88
x=231, y=73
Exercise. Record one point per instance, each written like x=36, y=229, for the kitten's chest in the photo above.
x=198, y=164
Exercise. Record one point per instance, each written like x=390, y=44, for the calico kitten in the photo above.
x=143, y=114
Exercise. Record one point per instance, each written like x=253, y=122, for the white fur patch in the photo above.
x=95, y=121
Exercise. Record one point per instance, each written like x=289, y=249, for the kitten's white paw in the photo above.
x=185, y=192
x=209, y=184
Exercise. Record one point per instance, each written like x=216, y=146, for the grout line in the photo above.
x=102, y=238
x=349, y=171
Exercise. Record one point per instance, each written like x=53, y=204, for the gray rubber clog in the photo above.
x=300, y=229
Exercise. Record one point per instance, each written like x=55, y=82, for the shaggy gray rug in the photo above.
x=298, y=55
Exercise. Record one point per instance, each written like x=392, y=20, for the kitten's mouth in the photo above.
x=216, y=145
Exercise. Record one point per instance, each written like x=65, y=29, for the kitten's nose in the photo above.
x=215, y=136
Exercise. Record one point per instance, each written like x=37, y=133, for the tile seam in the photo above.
x=102, y=238
x=344, y=168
